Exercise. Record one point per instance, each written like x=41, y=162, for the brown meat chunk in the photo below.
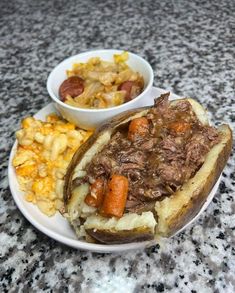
x=212, y=134
x=182, y=106
x=171, y=173
x=196, y=149
x=171, y=150
x=161, y=105
x=132, y=156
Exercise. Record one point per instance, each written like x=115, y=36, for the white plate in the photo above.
x=57, y=227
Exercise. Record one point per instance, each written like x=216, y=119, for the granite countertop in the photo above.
x=190, y=46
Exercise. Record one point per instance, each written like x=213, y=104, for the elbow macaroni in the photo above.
x=43, y=154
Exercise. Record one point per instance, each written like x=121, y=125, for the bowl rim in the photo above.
x=86, y=110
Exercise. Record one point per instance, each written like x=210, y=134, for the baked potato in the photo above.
x=169, y=158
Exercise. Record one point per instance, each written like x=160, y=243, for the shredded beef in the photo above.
x=157, y=164
x=137, y=206
x=196, y=149
x=182, y=106
x=161, y=105
x=171, y=173
x=170, y=150
x=155, y=191
x=199, y=144
x=132, y=156
x=212, y=134
x=147, y=145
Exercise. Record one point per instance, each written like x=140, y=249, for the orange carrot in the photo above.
x=116, y=196
x=96, y=195
x=179, y=126
x=138, y=127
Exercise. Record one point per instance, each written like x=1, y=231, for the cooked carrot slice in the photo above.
x=115, y=199
x=179, y=126
x=138, y=127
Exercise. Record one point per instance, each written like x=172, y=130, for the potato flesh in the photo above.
x=77, y=207
x=129, y=222
x=170, y=209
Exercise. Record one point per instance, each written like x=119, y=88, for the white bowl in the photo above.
x=91, y=118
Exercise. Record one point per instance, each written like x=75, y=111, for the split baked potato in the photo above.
x=178, y=196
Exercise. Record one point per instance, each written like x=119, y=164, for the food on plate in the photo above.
x=147, y=172
x=43, y=153
x=100, y=84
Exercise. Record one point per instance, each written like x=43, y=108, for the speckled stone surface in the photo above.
x=191, y=47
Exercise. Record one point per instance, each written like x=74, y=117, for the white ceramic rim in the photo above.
x=75, y=243
x=55, y=98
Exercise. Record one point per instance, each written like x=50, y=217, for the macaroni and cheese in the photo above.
x=43, y=154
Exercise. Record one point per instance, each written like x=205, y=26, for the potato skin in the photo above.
x=67, y=192
x=125, y=236
x=175, y=221
x=200, y=196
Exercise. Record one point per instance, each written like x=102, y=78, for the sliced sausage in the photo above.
x=132, y=89
x=72, y=86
